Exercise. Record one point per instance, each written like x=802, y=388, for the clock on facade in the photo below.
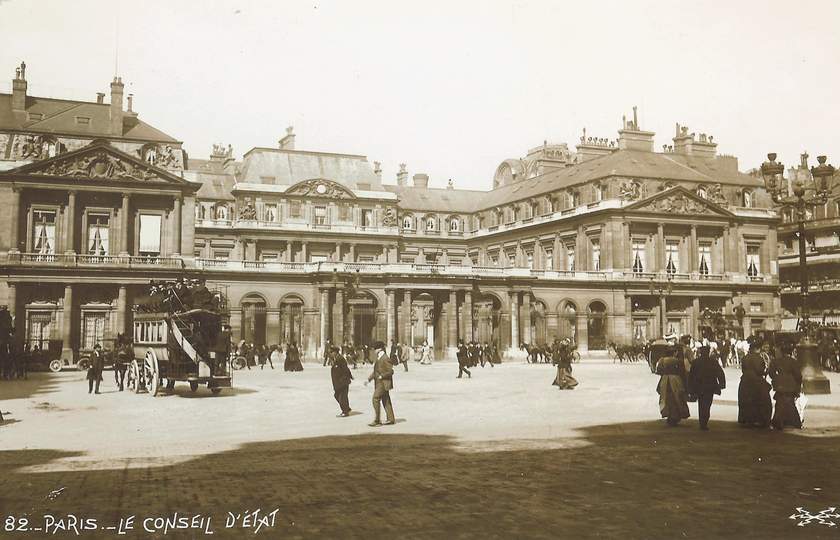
x=321, y=188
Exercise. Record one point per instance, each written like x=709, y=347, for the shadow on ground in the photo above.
x=635, y=480
x=35, y=384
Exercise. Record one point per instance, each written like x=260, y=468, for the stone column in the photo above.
x=526, y=318
x=660, y=247
x=67, y=324
x=70, y=223
x=468, y=316
x=188, y=227
x=452, y=316
x=352, y=253
x=14, y=226
x=124, y=216
x=122, y=309
x=693, y=250
x=514, y=321
x=12, y=299
x=695, y=316
x=663, y=315
x=390, y=317
x=406, y=315
x=582, y=250
x=176, y=227
x=325, y=303
x=724, y=251
x=628, y=315
x=606, y=247
x=338, y=322
x=337, y=252
x=556, y=255
x=304, y=256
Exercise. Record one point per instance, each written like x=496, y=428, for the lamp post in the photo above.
x=662, y=290
x=800, y=198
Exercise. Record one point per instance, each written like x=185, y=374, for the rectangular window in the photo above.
x=511, y=259
x=596, y=255
x=43, y=232
x=318, y=258
x=672, y=257
x=753, y=260
x=93, y=329
x=269, y=257
x=549, y=259
x=343, y=212
x=494, y=260
x=756, y=307
x=150, y=235
x=367, y=218
x=98, y=234
x=529, y=258
x=570, y=258
x=638, y=256
x=365, y=259
x=83, y=120
x=221, y=255
x=295, y=209
x=705, y=266
x=40, y=329
x=198, y=254
x=270, y=212
x=320, y=215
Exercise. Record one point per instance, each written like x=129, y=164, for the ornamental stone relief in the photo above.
x=320, y=188
x=98, y=165
x=677, y=204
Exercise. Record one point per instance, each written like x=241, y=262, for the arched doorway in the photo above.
x=486, y=309
x=253, y=319
x=538, y=325
x=597, y=326
x=291, y=320
x=423, y=319
x=567, y=321
x=362, y=306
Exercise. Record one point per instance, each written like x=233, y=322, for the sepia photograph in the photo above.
x=252, y=253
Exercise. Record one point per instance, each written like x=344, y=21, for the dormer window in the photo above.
x=599, y=192
x=454, y=224
x=574, y=198
x=83, y=120
x=35, y=116
x=431, y=223
x=747, y=199
x=408, y=223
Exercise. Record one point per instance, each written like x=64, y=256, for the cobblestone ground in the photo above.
x=501, y=455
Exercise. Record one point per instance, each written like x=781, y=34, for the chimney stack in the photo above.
x=631, y=137
x=377, y=169
x=19, y=88
x=100, y=98
x=129, y=100
x=402, y=176
x=288, y=142
x=685, y=143
x=117, y=88
x=421, y=180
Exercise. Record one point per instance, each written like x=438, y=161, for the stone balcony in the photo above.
x=94, y=261
x=293, y=225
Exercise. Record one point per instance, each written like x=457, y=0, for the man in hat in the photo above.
x=94, y=373
x=383, y=375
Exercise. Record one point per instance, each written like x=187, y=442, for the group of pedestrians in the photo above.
x=259, y=355
x=382, y=376
x=693, y=371
x=473, y=354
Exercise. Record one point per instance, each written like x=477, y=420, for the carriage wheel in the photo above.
x=151, y=371
x=193, y=386
x=83, y=364
x=132, y=377
x=55, y=366
x=239, y=362
x=137, y=381
x=215, y=391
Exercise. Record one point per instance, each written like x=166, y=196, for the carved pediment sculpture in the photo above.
x=248, y=213
x=630, y=190
x=321, y=188
x=98, y=165
x=716, y=194
x=36, y=147
x=390, y=217
x=678, y=203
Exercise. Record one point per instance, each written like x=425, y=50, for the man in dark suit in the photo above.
x=383, y=377
x=463, y=360
x=97, y=364
x=705, y=379
x=341, y=378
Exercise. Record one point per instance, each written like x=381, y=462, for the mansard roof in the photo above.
x=436, y=199
x=59, y=117
x=288, y=167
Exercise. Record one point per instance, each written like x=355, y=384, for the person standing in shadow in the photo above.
x=705, y=379
x=383, y=378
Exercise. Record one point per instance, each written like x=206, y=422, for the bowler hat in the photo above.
x=379, y=345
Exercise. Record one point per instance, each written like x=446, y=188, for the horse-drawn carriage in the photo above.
x=178, y=337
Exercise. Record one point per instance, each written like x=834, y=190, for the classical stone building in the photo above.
x=610, y=242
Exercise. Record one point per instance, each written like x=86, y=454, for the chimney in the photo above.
x=631, y=137
x=19, y=88
x=100, y=98
x=592, y=147
x=421, y=180
x=117, y=87
x=288, y=142
x=402, y=176
x=377, y=169
x=129, y=101
x=686, y=144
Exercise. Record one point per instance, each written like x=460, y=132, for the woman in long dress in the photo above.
x=293, y=359
x=754, y=405
x=564, y=380
x=426, y=355
x=673, y=402
x=787, y=383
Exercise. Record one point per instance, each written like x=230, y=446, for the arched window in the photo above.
x=574, y=198
x=599, y=192
x=221, y=212
x=746, y=198
x=431, y=223
x=454, y=224
x=408, y=223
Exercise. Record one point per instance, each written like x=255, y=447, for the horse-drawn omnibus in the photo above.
x=178, y=337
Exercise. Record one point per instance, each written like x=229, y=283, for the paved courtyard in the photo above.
x=501, y=455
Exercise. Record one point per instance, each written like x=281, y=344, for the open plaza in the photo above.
x=502, y=454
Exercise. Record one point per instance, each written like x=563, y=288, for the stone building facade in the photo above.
x=611, y=242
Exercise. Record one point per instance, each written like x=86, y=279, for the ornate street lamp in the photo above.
x=662, y=290
x=800, y=198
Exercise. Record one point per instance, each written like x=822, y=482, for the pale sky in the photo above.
x=450, y=88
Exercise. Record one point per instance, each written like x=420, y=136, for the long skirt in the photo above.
x=564, y=379
x=786, y=413
x=673, y=403
x=754, y=405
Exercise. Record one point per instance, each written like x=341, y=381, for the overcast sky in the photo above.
x=450, y=88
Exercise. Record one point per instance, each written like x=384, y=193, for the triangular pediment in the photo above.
x=321, y=187
x=679, y=201
x=101, y=162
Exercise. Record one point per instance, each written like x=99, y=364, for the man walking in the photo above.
x=341, y=378
x=405, y=352
x=383, y=377
x=97, y=364
x=463, y=360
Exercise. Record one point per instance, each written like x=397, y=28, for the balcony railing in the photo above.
x=83, y=260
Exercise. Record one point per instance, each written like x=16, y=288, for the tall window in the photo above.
x=221, y=212
x=570, y=258
x=599, y=192
x=150, y=235
x=408, y=223
x=454, y=224
x=705, y=266
x=367, y=217
x=638, y=256
x=549, y=259
x=98, y=234
x=343, y=212
x=40, y=329
x=753, y=260
x=494, y=260
x=511, y=259
x=43, y=232
x=320, y=215
x=270, y=212
x=93, y=329
x=672, y=257
x=431, y=223
x=574, y=198
x=596, y=255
